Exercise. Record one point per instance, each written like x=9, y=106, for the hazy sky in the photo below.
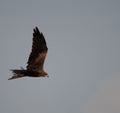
x=83, y=60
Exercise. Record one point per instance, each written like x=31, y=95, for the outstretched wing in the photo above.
x=38, y=53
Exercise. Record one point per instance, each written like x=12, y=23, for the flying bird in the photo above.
x=35, y=64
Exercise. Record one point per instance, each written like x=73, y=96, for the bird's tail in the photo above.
x=17, y=74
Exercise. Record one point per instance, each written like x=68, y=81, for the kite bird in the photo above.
x=36, y=58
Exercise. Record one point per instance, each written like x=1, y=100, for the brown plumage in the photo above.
x=36, y=58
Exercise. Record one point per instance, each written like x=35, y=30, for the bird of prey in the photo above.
x=36, y=59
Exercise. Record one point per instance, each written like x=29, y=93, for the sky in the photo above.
x=83, y=60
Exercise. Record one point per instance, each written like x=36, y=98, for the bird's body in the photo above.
x=36, y=58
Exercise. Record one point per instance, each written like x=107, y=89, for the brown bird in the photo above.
x=36, y=58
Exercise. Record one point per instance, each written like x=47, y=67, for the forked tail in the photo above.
x=17, y=74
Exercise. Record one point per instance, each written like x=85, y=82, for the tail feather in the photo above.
x=17, y=74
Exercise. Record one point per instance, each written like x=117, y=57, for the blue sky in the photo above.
x=83, y=57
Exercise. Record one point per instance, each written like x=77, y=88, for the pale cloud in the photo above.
x=107, y=98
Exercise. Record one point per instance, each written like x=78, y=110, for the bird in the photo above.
x=35, y=63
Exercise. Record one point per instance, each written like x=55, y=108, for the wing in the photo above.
x=38, y=53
